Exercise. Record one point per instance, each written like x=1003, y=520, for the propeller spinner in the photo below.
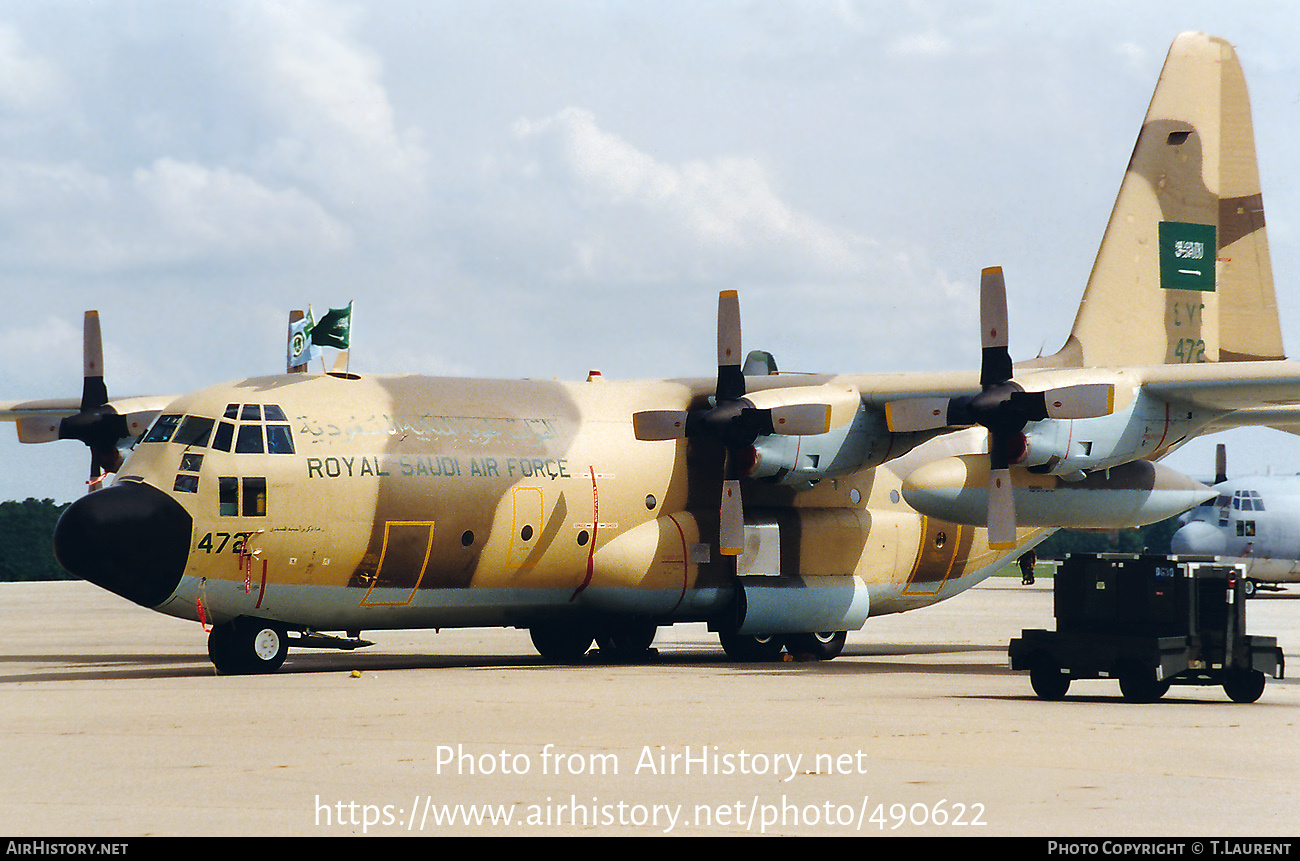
x=732, y=420
x=1001, y=406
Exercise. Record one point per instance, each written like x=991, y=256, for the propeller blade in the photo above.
x=38, y=429
x=1002, y=510
x=659, y=424
x=731, y=379
x=731, y=520
x=916, y=414
x=995, y=366
x=93, y=391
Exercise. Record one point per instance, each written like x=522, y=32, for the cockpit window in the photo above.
x=162, y=429
x=251, y=413
x=194, y=430
x=249, y=440
x=278, y=439
x=273, y=413
x=225, y=434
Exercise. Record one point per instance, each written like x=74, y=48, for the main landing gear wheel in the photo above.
x=751, y=648
x=247, y=646
x=823, y=646
x=563, y=643
x=628, y=642
x=1244, y=686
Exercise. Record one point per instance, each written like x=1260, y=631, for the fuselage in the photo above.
x=359, y=503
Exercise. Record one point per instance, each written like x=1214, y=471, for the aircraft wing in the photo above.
x=38, y=420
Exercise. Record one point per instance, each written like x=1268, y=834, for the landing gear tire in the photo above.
x=823, y=646
x=1139, y=684
x=751, y=648
x=1047, y=680
x=563, y=643
x=1244, y=686
x=629, y=642
x=248, y=646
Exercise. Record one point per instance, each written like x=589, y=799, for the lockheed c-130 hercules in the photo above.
x=783, y=510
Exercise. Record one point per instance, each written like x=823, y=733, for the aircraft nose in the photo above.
x=1198, y=537
x=132, y=539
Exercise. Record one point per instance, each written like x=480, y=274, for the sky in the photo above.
x=523, y=189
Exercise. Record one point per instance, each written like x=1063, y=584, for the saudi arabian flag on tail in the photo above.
x=301, y=348
x=334, y=329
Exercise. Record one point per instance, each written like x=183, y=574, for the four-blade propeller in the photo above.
x=733, y=421
x=1001, y=406
x=96, y=423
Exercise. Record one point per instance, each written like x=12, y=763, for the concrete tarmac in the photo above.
x=115, y=724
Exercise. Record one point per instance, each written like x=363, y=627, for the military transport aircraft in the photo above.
x=783, y=510
x=1253, y=520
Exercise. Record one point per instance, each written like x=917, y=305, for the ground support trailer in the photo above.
x=1150, y=622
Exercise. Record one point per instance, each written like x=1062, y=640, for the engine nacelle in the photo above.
x=858, y=438
x=1131, y=494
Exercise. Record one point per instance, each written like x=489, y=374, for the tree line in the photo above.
x=27, y=540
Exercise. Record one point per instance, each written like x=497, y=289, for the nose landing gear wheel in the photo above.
x=247, y=646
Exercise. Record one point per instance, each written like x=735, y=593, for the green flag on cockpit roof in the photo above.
x=334, y=329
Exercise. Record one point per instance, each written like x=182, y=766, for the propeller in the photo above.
x=96, y=423
x=733, y=420
x=1001, y=406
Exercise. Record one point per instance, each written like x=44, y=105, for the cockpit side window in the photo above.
x=162, y=429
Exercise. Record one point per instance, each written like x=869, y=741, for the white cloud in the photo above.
x=723, y=213
x=324, y=91
x=26, y=80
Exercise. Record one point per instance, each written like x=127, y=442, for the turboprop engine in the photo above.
x=1131, y=494
x=857, y=438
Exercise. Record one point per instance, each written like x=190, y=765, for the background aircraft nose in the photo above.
x=1198, y=537
x=131, y=539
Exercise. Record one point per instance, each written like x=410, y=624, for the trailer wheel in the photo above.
x=1047, y=679
x=1244, y=686
x=1139, y=684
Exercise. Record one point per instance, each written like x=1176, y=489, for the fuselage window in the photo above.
x=163, y=429
x=225, y=433
x=191, y=462
x=254, y=497
x=249, y=440
x=278, y=439
x=194, y=430
x=228, y=496
x=186, y=483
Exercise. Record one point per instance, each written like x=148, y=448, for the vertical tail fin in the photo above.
x=1183, y=273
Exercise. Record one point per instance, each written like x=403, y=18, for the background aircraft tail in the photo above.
x=1183, y=273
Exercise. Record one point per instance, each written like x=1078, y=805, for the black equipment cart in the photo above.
x=1150, y=622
